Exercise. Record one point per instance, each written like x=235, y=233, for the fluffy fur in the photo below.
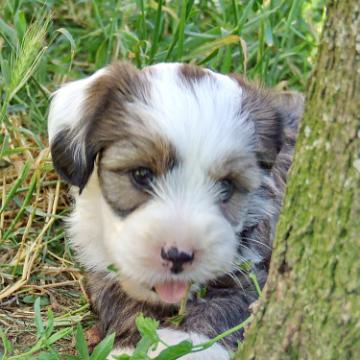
x=193, y=128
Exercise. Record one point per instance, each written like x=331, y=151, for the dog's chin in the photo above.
x=170, y=290
x=139, y=291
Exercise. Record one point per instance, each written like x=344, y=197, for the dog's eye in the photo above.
x=143, y=177
x=226, y=190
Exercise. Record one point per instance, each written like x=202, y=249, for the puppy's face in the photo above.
x=169, y=161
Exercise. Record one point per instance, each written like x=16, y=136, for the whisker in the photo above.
x=254, y=252
x=242, y=258
x=236, y=280
x=256, y=241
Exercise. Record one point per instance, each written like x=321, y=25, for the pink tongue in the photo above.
x=171, y=292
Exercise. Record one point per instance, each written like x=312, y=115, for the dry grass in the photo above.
x=32, y=262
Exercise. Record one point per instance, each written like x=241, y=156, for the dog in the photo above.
x=178, y=175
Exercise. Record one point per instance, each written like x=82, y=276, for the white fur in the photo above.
x=67, y=104
x=203, y=123
x=66, y=111
x=172, y=337
x=85, y=229
x=102, y=238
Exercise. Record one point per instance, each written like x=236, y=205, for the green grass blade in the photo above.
x=103, y=349
x=15, y=186
x=81, y=345
x=38, y=320
x=25, y=203
x=6, y=343
x=156, y=35
x=181, y=36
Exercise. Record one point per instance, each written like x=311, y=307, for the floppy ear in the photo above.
x=273, y=114
x=290, y=105
x=77, y=113
x=68, y=128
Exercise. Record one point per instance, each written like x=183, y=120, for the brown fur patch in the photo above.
x=107, y=99
x=243, y=172
x=240, y=168
x=191, y=74
x=127, y=140
x=135, y=150
x=117, y=162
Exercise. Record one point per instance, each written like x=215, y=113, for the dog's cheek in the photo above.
x=120, y=193
x=134, y=243
x=235, y=210
x=85, y=227
x=128, y=241
x=113, y=231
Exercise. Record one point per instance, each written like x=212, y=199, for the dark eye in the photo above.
x=226, y=190
x=143, y=177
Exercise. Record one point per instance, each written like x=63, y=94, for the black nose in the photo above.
x=177, y=258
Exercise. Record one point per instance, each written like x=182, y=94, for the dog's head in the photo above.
x=169, y=161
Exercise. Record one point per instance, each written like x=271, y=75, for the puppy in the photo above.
x=179, y=174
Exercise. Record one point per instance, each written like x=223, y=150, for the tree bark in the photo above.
x=310, y=307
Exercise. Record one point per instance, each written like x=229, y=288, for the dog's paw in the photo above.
x=172, y=337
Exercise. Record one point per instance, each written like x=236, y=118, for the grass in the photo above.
x=44, y=44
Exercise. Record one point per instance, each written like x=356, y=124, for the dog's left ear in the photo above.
x=290, y=105
x=274, y=114
x=80, y=119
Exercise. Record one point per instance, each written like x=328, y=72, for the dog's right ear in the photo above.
x=68, y=129
x=78, y=109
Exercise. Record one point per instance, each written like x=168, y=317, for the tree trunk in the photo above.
x=310, y=307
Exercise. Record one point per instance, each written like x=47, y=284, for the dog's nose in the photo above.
x=177, y=258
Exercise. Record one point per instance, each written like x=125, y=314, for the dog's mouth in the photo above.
x=171, y=292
